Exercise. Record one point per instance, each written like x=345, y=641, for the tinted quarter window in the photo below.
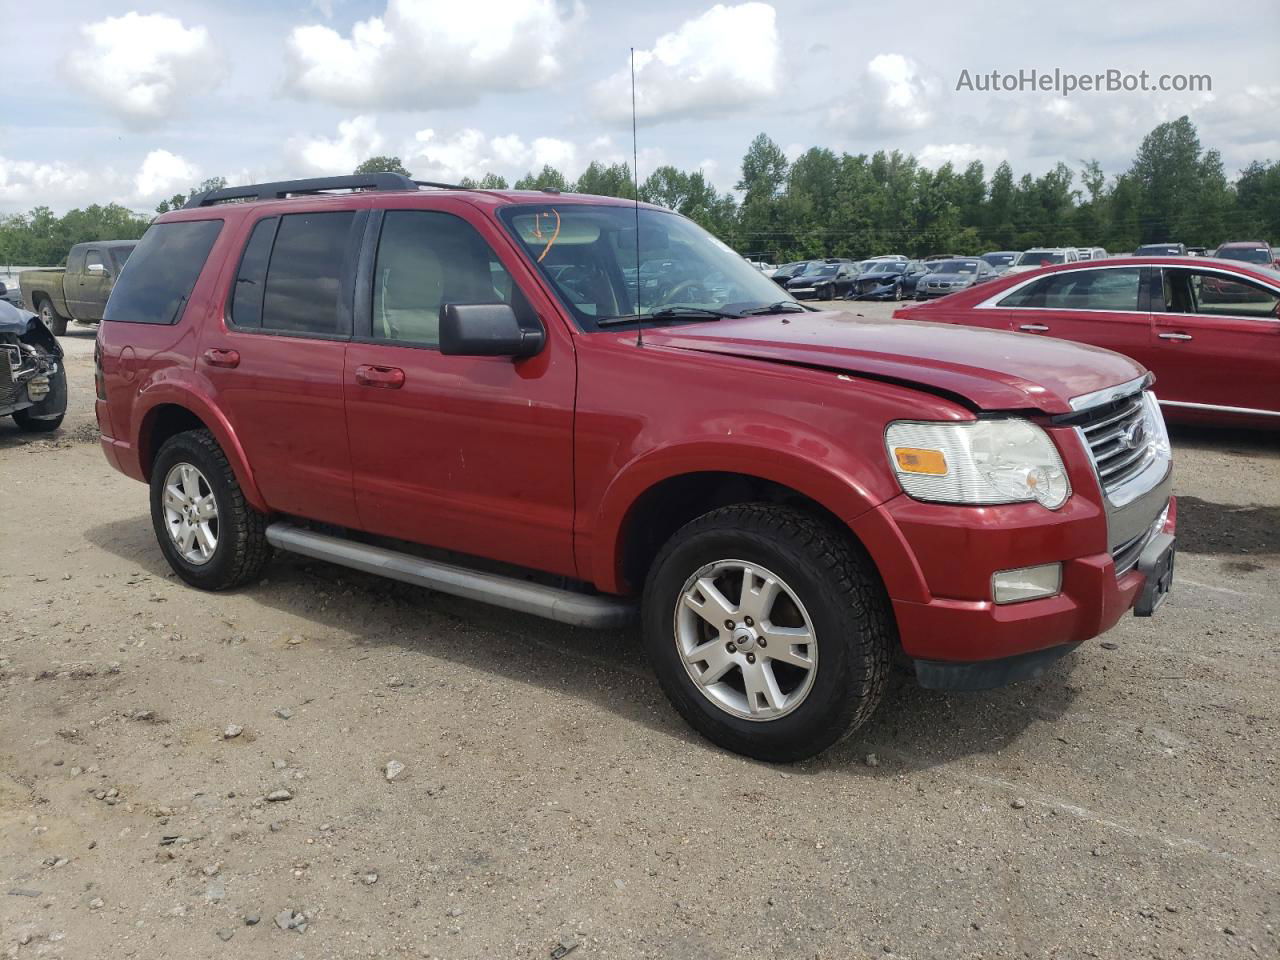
x=155, y=285
x=251, y=278
x=426, y=259
x=304, y=279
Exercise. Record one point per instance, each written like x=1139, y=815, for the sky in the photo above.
x=131, y=103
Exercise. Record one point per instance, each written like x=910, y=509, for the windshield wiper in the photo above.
x=669, y=313
x=782, y=306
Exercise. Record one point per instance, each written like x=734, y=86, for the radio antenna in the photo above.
x=635, y=180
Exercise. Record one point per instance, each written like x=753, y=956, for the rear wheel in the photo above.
x=768, y=630
x=210, y=535
x=50, y=317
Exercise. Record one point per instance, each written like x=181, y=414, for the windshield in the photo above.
x=890, y=266
x=1037, y=257
x=1000, y=259
x=825, y=270
x=1158, y=250
x=958, y=266
x=588, y=253
x=1247, y=254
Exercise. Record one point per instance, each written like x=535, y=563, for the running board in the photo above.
x=563, y=606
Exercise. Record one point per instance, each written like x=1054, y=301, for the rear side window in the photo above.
x=251, y=279
x=156, y=282
x=304, y=277
x=1111, y=289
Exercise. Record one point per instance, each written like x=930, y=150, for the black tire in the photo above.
x=897, y=291
x=29, y=424
x=846, y=602
x=50, y=317
x=824, y=293
x=242, y=550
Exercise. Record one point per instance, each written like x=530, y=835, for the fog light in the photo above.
x=1026, y=583
x=38, y=388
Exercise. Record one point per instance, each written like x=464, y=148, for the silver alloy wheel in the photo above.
x=746, y=640
x=46, y=314
x=190, y=513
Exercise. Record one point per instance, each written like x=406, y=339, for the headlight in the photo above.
x=982, y=462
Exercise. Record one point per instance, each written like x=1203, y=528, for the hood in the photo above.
x=989, y=369
x=880, y=277
x=809, y=279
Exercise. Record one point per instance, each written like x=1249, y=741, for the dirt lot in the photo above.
x=1124, y=806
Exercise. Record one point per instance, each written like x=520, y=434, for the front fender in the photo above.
x=186, y=388
x=806, y=466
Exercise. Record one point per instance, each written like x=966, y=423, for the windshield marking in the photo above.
x=537, y=230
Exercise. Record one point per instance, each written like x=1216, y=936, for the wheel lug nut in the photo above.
x=729, y=624
x=763, y=642
x=751, y=658
x=731, y=647
x=749, y=622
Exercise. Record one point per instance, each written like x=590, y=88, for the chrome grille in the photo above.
x=1119, y=439
x=8, y=389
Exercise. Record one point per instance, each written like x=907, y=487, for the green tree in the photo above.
x=381, y=165
x=612, y=180
x=548, y=178
x=179, y=200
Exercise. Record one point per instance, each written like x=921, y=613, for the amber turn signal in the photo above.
x=915, y=460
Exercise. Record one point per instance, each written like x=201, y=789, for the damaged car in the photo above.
x=33, y=381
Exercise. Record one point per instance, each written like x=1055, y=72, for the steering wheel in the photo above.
x=670, y=294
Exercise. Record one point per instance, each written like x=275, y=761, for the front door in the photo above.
x=473, y=454
x=1217, y=337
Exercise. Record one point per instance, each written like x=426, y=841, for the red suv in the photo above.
x=501, y=395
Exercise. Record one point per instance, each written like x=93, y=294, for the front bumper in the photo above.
x=937, y=562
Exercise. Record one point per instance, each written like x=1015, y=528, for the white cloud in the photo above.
x=469, y=153
x=358, y=139
x=726, y=58
x=163, y=174
x=141, y=65
x=429, y=53
x=61, y=186
x=893, y=95
x=960, y=155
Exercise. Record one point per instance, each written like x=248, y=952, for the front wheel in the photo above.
x=769, y=631
x=212, y=538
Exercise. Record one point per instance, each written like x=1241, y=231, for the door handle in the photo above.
x=215, y=357
x=371, y=375
x=1034, y=327
x=1175, y=336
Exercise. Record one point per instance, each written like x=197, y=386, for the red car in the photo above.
x=1208, y=329
x=478, y=392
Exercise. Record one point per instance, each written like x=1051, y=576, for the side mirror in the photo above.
x=485, y=330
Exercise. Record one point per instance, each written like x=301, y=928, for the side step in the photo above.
x=564, y=606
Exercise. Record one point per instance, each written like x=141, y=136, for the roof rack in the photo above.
x=289, y=188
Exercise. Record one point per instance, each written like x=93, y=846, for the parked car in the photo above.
x=888, y=280
x=823, y=281
x=1249, y=251
x=1091, y=253
x=1208, y=329
x=1038, y=257
x=1001, y=260
x=952, y=275
x=943, y=256
x=400, y=380
x=1198, y=252
x=80, y=290
x=789, y=271
x=1161, y=250
x=33, y=381
x=11, y=293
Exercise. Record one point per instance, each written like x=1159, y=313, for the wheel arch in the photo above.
x=646, y=505
x=173, y=414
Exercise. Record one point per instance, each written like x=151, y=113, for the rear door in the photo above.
x=1217, y=340
x=1100, y=306
x=73, y=281
x=473, y=454
x=276, y=360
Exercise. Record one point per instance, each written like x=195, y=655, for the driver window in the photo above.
x=426, y=259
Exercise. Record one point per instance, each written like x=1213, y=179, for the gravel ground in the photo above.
x=551, y=803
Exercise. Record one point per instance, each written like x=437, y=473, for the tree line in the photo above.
x=828, y=204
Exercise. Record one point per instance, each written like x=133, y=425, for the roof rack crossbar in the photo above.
x=287, y=188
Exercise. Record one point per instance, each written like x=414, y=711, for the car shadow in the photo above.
x=1227, y=529
x=918, y=728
